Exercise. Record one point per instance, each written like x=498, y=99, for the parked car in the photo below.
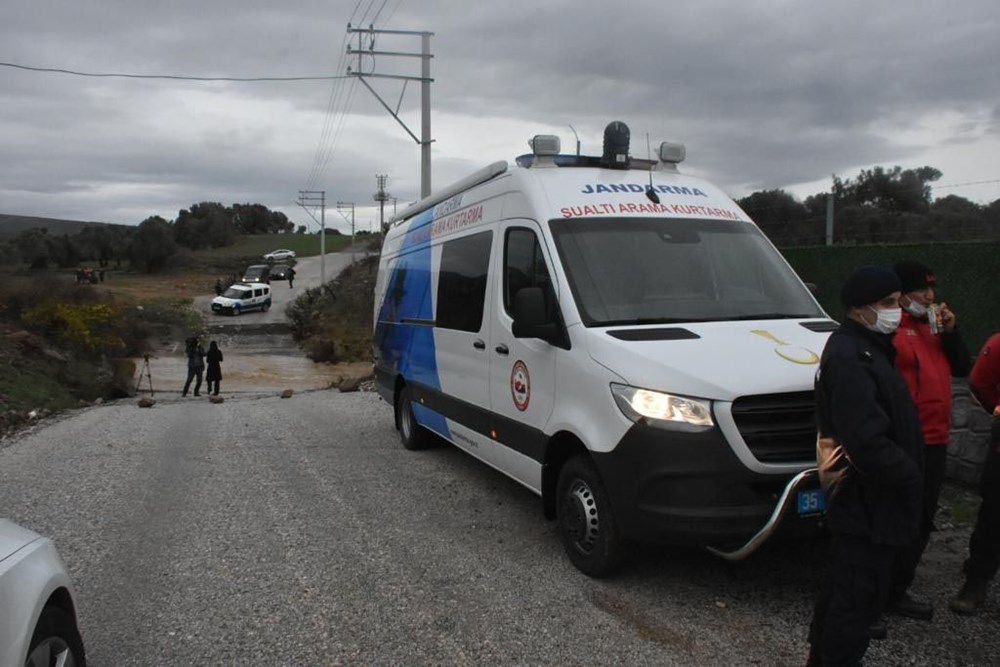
x=241, y=297
x=276, y=255
x=279, y=271
x=257, y=273
x=38, y=624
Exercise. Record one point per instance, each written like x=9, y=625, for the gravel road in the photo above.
x=298, y=531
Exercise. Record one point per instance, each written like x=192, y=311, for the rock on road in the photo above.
x=298, y=531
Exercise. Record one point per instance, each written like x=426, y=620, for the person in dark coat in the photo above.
x=195, y=364
x=291, y=277
x=213, y=376
x=869, y=453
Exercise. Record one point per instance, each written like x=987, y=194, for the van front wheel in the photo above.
x=587, y=525
x=411, y=434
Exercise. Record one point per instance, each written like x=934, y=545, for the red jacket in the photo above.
x=928, y=361
x=985, y=378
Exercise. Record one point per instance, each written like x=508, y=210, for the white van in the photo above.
x=241, y=297
x=619, y=338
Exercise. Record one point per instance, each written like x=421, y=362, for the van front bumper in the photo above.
x=690, y=488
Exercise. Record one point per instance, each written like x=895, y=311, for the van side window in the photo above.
x=461, y=293
x=524, y=266
x=258, y=292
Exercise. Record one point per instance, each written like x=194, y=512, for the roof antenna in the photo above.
x=650, y=194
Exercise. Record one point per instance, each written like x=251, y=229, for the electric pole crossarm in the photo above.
x=370, y=52
x=390, y=76
x=389, y=32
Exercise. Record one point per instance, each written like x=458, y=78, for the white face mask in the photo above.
x=887, y=320
x=916, y=309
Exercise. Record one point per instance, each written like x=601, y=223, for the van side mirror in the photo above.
x=530, y=319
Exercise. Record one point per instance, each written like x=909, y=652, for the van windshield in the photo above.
x=662, y=270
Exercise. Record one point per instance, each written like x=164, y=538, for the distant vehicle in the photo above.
x=276, y=255
x=279, y=271
x=258, y=273
x=38, y=624
x=241, y=297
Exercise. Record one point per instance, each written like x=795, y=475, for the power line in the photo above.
x=175, y=77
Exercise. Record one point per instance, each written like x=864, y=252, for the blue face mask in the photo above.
x=887, y=321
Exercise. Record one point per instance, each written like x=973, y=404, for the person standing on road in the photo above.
x=213, y=375
x=984, y=544
x=291, y=276
x=869, y=452
x=195, y=365
x=218, y=287
x=928, y=354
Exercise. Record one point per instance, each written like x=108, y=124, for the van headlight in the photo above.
x=661, y=409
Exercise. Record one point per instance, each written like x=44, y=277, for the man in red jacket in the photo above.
x=928, y=355
x=984, y=544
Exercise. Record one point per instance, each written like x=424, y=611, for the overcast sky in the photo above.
x=764, y=94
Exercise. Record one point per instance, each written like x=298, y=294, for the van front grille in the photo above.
x=778, y=428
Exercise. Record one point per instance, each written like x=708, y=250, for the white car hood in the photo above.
x=14, y=538
x=725, y=361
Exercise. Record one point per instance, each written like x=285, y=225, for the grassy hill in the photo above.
x=12, y=225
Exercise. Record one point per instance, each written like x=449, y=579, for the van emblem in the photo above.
x=520, y=385
x=792, y=353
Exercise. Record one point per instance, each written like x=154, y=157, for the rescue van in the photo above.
x=617, y=337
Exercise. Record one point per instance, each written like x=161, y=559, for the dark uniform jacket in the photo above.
x=870, y=447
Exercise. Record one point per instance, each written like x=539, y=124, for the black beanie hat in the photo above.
x=868, y=284
x=914, y=276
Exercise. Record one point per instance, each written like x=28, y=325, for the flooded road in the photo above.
x=259, y=355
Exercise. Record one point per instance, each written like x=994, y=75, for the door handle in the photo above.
x=479, y=344
x=502, y=349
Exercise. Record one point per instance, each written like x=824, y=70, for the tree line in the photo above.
x=152, y=244
x=880, y=205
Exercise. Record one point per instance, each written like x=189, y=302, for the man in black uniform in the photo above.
x=870, y=459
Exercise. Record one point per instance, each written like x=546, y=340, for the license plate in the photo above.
x=811, y=501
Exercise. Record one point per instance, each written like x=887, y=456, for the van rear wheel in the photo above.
x=411, y=434
x=587, y=526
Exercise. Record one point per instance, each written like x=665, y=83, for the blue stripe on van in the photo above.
x=407, y=348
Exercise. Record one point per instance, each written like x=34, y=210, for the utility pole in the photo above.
x=829, y=212
x=348, y=205
x=368, y=34
x=381, y=196
x=317, y=198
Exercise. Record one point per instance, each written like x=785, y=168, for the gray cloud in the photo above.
x=765, y=94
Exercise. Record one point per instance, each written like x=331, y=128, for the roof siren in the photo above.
x=616, y=140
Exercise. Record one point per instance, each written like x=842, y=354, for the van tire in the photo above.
x=267, y=304
x=236, y=310
x=411, y=434
x=587, y=525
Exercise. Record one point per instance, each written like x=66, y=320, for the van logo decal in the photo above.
x=792, y=353
x=520, y=385
x=598, y=188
